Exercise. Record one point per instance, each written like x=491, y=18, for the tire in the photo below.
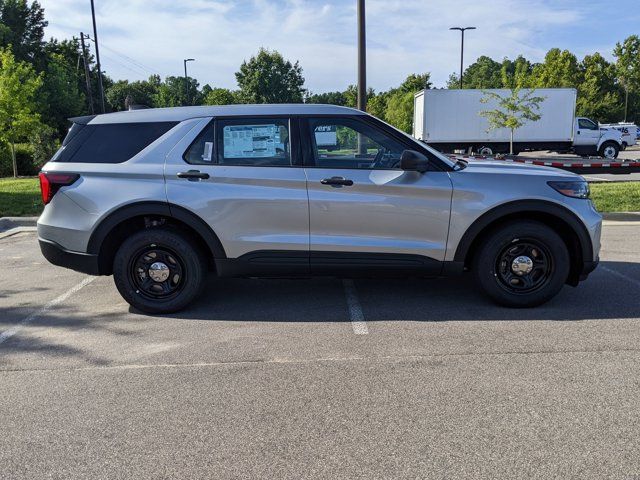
x=493, y=265
x=178, y=265
x=609, y=150
x=488, y=151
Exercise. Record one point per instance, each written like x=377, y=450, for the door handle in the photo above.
x=193, y=175
x=337, y=182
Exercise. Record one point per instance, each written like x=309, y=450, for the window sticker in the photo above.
x=251, y=141
x=208, y=152
x=326, y=136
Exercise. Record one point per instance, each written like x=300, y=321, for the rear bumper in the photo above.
x=80, y=262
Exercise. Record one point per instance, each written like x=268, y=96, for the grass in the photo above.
x=21, y=197
x=616, y=196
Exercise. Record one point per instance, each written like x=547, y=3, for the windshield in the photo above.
x=446, y=160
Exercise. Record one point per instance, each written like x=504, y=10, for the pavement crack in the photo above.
x=297, y=361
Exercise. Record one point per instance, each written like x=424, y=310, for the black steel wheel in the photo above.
x=159, y=270
x=524, y=266
x=521, y=264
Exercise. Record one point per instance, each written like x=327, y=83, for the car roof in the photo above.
x=179, y=114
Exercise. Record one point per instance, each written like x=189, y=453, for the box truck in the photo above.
x=450, y=120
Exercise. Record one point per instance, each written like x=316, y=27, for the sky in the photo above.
x=143, y=37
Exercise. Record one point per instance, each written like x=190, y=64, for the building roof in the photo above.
x=178, y=114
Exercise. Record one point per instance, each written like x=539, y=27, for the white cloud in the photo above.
x=404, y=36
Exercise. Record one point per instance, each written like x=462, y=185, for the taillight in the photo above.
x=50, y=183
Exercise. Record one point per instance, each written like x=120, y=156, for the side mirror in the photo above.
x=411, y=160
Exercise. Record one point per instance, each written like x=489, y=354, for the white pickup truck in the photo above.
x=450, y=120
x=630, y=132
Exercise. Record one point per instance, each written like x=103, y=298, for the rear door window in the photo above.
x=258, y=142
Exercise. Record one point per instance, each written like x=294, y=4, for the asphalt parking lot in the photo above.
x=319, y=378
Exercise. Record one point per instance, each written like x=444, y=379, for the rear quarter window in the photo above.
x=110, y=143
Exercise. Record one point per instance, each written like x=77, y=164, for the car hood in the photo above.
x=511, y=168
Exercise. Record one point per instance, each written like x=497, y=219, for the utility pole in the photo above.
x=86, y=73
x=186, y=79
x=95, y=39
x=362, y=58
x=362, y=70
x=462, y=30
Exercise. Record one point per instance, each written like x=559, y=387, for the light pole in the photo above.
x=462, y=30
x=95, y=39
x=186, y=78
x=626, y=101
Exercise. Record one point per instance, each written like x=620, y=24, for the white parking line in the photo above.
x=7, y=334
x=621, y=275
x=355, y=310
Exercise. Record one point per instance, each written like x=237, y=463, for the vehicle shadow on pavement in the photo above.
x=604, y=295
x=63, y=324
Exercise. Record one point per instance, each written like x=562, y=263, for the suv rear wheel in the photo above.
x=159, y=270
x=522, y=264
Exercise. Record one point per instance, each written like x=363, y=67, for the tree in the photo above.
x=559, y=70
x=483, y=73
x=19, y=85
x=598, y=94
x=513, y=111
x=60, y=97
x=517, y=73
x=22, y=28
x=416, y=82
x=172, y=92
x=627, y=56
x=268, y=78
x=221, y=96
x=123, y=93
x=331, y=98
x=400, y=110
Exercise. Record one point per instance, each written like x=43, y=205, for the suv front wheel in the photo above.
x=522, y=264
x=159, y=270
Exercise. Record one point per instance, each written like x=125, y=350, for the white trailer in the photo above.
x=450, y=120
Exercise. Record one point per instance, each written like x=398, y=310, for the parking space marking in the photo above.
x=7, y=334
x=355, y=310
x=621, y=275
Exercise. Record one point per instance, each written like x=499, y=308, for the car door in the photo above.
x=364, y=211
x=244, y=178
x=587, y=133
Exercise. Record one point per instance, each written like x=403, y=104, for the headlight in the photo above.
x=578, y=189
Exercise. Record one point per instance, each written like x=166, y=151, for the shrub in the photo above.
x=44, y=144
x=24, y=159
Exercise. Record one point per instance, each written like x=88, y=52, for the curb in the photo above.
x=14, y=231
x=621, y=216
x=8, y=223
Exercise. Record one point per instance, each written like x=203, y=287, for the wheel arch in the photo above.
x=113, y=229
x=561, y=219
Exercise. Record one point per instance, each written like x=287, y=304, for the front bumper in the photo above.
x=80, y=262
x=587, y=268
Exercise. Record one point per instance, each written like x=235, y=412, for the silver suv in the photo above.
x=161, y=197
